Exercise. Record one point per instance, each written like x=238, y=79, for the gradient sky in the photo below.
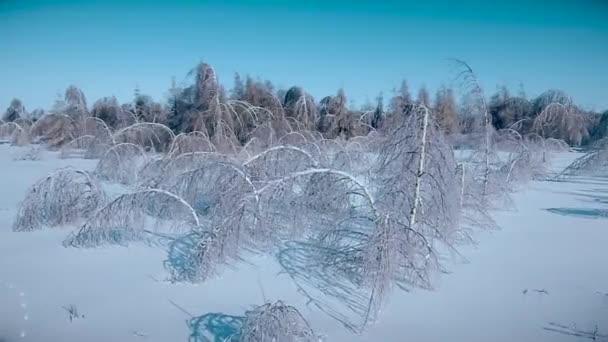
x=110, y=47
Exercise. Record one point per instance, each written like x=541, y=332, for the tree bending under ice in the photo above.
x=63, y=197
x=135, y=216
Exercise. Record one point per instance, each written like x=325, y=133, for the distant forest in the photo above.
x=207, y=107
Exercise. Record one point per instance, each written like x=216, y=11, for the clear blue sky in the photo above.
x=109, y=47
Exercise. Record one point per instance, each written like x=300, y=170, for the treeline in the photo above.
x=207, y=107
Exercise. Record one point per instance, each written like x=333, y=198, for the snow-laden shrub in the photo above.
x=121, y=163
x=276, y=322
x=133, y=216
x=63, y=197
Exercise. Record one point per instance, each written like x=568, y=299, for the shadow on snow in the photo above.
x=215, y=327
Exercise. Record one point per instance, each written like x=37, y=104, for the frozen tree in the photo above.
x=401, y=100
x=509, y=111
x=61, y=198
x=206, y=85
x=548, y=97
x=238, y=90
x=378, y=114
x=135, y=217
x=291, y=97
x=325, y=117
x=75, y=103
x=343, y=125
x=109, y=111
x=276, y=322
x=423, y=98
x=477, y=107
x=600, y=130
x=561, y=122
x=146, y=110
x=121, y=163
x=418, y=192
x=56, y=129
x=14, y=111
x=190, y=142
x=225, y=196
x=36, y=114
x=279, y=162
x=25, y=123
x=103, y=137
x=594, y=162
x=14, y=133
x=527, y=156
x=445, y=110
x=148, y=135
x=159, y=170
x=301, y=107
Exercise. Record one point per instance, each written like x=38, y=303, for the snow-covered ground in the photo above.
x=543, y=277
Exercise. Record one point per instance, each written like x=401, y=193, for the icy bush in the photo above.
x=278, y=162
x=276, y=322
x=63, y=197
x=121, y=163
x=148, y=135
x=594, y=162
x=133, y=217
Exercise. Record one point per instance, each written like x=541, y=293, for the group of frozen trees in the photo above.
x=353, y=204
x=251, y=105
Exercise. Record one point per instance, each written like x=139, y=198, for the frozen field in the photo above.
x=543, y=277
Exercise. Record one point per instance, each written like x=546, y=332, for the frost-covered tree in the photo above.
x=378, y=113
x=108, y=110
x=61, y=198
x=548, y=97
x=121, y=163
x=562, y=122
x=401, y=99
x=238, y=89
x=14, y=111
x=343, y=119
x=36, y=114
x=417, y=146
x=276, y=322
x=477, y=107
x=423, y=98
x=594, y=162
x=600, y=131
x=135, y=217
x=301, y=106
x=445, y=110
x=75, y=103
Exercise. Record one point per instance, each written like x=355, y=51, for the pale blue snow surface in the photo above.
x=543, y=277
